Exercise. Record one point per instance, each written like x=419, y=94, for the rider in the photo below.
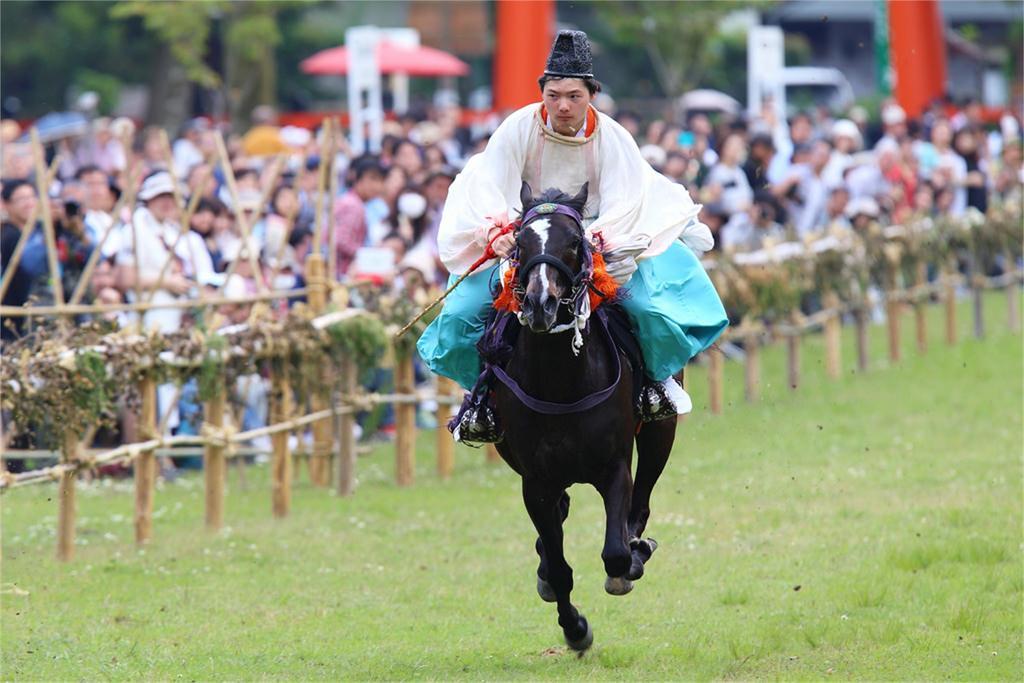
x=645, y=225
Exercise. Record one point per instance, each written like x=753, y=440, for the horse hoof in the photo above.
x=545, y=591
x=636, y=569
x=617, y=585
x=582, y=644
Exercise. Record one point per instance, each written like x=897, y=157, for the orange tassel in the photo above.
x=601, y=281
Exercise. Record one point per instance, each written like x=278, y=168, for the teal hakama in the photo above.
x=675, y=311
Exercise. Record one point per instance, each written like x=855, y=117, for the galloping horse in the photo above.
x=568, y=409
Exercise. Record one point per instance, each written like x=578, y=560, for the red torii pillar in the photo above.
x=917, y=45
x=523, y=36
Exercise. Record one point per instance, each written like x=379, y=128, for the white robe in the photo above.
x=628, y=200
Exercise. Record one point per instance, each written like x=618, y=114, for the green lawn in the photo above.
x=868, y=528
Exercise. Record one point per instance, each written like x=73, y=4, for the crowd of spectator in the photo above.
x=758, y=179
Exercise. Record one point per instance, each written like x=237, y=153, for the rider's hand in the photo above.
x=503, y=245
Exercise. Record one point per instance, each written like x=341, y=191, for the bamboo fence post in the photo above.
x=977, y=292
x=950, y=301
x=215, y=466
x=893, y=310
x=752, y=367
x=44, y=205
x=243, y=221
x=281, y=460
x=332, y=192
x=319, y=469
x=405, y=422
x=321, y=185
x=445, y=442
x=66, y=513
x=833, y=336
x=793, y=354
x=715, y=376
x=860, y=321
x=1012, y=294
x=145, y=464
x=346, y=430
x=492, y=454
x=920, y=311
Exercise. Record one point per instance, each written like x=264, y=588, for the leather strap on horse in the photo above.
x=585, y=403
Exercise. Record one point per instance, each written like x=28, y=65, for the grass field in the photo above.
x=868, y=528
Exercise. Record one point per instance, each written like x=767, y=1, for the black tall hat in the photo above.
x=570, y=56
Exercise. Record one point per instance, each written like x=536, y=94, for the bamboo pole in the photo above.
x=12, y=263
x=214, y=465
x=243, y=221
x=893, y=310
x=405, y=423
x=67, y=506
x=346, y=432
x=1012, y=295
x=68, y=309
x=920, y=310
x=715, y=379
x=281, y=462
x=319, y=470
x=860, y=321
x=950, y=301
x=752, y=368
x=793, y=358
x=445, y=442
x=332, y=185
x=977, y=285
x=321, y=185
x=44, y=205
x=145, y=465
x=833, y=336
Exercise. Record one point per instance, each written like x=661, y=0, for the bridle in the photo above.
x=579, y=282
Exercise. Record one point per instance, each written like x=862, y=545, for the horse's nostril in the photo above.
x=550, y=305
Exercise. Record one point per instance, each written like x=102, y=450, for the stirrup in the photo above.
x=654, y=403
x=476, y=424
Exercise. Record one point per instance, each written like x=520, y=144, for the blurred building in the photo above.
x=842, y=35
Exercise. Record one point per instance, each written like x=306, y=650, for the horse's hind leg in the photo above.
x=616, y=554
x=547, y=594
x=542, y=503
x=653, y=446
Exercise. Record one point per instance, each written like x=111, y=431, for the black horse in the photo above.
x=569, y=412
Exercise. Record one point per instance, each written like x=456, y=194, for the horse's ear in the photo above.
x=525, y=195
x=580, y=200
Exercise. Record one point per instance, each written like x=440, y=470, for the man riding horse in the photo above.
x=645, y=226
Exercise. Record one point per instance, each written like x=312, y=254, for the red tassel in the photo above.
x=506, y=301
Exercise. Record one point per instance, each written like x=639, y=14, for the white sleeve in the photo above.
x=487, y=188
x=637, y=200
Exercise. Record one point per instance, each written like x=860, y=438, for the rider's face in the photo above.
x=567, y=100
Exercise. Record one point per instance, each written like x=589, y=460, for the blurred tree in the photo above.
x=681, y=38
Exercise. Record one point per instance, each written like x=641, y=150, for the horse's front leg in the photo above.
x=616, y=491
x=542, y=503
x=547, y=594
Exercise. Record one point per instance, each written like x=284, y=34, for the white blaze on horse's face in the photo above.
x=540, y=227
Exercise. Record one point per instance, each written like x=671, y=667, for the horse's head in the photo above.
x=554, y=257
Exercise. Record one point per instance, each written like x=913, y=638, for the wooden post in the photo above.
x=752, y=368
x=346, y=431
x=145, y=464
x=445, y=442
x=860, y=321
x=1012, y=294
x=892, y=313
x=215, y=466
x=977, y=276
x=66, y=511
x=793, y=358
x=319, y=467
x=405, y=422
x=833, y=336
x=281, y=459
x=950, y=299
x=715, y=372
x=492, y=453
